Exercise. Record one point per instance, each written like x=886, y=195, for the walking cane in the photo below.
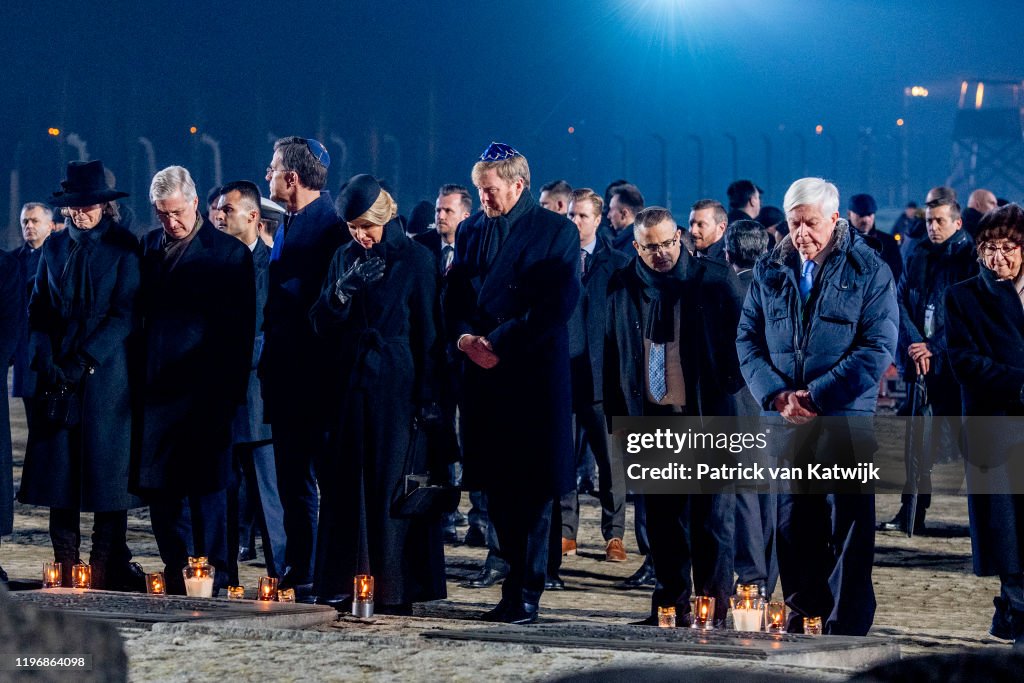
x=912, y=447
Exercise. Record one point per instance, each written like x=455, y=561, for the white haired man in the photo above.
x=198, y=304
x=819, y=327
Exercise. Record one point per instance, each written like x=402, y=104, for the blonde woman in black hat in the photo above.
x=80, y=317
x=377, y=311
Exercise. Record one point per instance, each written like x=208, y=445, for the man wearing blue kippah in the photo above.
x=508, y=297
x=293, y=368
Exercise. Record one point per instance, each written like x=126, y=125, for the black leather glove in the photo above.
x=73, y=370
x=430, y=415
x=359, y=274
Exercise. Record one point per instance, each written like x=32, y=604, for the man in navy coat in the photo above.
x=819, y=327
x=508, y=297
x=239, y=216
x=198, y=306
x=295, y=366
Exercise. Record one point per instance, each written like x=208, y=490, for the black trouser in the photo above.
x=826, y=547
x=522, y=524
x=191, y=526
x=691, y=532
x=756, y=561
x=480, y=518
x=256, y=498
x=943, y=429
x=109, y=555
x=592, y=433
x=298, y=451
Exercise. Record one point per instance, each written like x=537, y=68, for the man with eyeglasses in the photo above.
x=932, y=266
x=297, y=391
x=669, y=351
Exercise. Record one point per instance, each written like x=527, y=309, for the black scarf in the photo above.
x=662, y=292
x=76, y=290
x=496, y=229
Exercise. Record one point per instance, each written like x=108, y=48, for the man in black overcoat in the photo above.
x=254, y=495
x=508, y=297
x=669, y=351
x=12, y=315
x=198, y=314
x=295, y=366
x=36, y=226
x=598, y=261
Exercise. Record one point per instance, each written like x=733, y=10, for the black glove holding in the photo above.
x=429, y=415
x=73, y=369
x=359, y=275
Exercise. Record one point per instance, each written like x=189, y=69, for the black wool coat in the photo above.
x=293, y=366
x=587, y=324
x=711, y=302
x=24, y=383
x=518, y=414
x=12, y=312
x=198, y=322
x=248, y=426
x=384, y=339
x=85, y=468
x=985, y=344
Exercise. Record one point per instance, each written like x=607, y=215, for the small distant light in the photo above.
x=898, y=237
x=53, y=131
x=818, y=129
x=899, y=122
x=572, y=129
x=193, y=130
x=918, y=91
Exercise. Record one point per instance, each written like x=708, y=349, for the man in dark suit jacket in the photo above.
x=198, y=306
x=598, y=260
x=669, y=351
x=625, y=203
x=12, y=315
x=253, y=497
x=708, y=221
x=295, y=366
x=36, y=226
x=507, y=300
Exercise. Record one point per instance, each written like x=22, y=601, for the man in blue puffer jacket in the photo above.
x=818, y=329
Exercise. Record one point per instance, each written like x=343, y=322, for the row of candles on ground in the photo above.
x=198, y=581
x=750, y=613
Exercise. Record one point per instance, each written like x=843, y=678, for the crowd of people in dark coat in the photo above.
x=285, y=365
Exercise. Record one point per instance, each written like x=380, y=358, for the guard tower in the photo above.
x=988, y=140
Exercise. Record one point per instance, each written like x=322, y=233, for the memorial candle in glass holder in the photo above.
x=198, y=578
x=286, y=595
x=362, y=596
x=81, y=576
x=155, y=584
x=812, y=626
x=51, y=574
x=747, y=609
x=775, y=617
x=667, y=617
x=704, y=612
x=267, y=590
x=236, y=592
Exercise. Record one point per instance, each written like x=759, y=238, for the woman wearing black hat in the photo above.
x=80, y=318
x=377, y=307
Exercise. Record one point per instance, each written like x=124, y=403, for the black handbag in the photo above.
x=414, y=496
x=61, y=406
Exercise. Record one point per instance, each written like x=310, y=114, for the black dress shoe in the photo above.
x=642, y=577
x=486, y=578
x=460, y=518
x=340, y=602
x=246, y=554
x=450, y=535
x=1001, y=627
x=131, y=578
x=3, y=576
x=475, y=537
x=496, y=613
x=555, y=584
x=522, y=613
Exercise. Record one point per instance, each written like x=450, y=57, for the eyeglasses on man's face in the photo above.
x=660, y=246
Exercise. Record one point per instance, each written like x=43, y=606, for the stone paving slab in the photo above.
x=834, y=652
x=137, y=609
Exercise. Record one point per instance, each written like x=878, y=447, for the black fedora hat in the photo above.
x=85, y=185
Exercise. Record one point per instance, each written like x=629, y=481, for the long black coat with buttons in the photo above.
x=86, y=467
x=12, y=311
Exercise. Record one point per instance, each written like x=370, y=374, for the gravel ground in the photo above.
x=928, y=602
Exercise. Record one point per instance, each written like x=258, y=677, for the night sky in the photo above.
x=416, y=90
